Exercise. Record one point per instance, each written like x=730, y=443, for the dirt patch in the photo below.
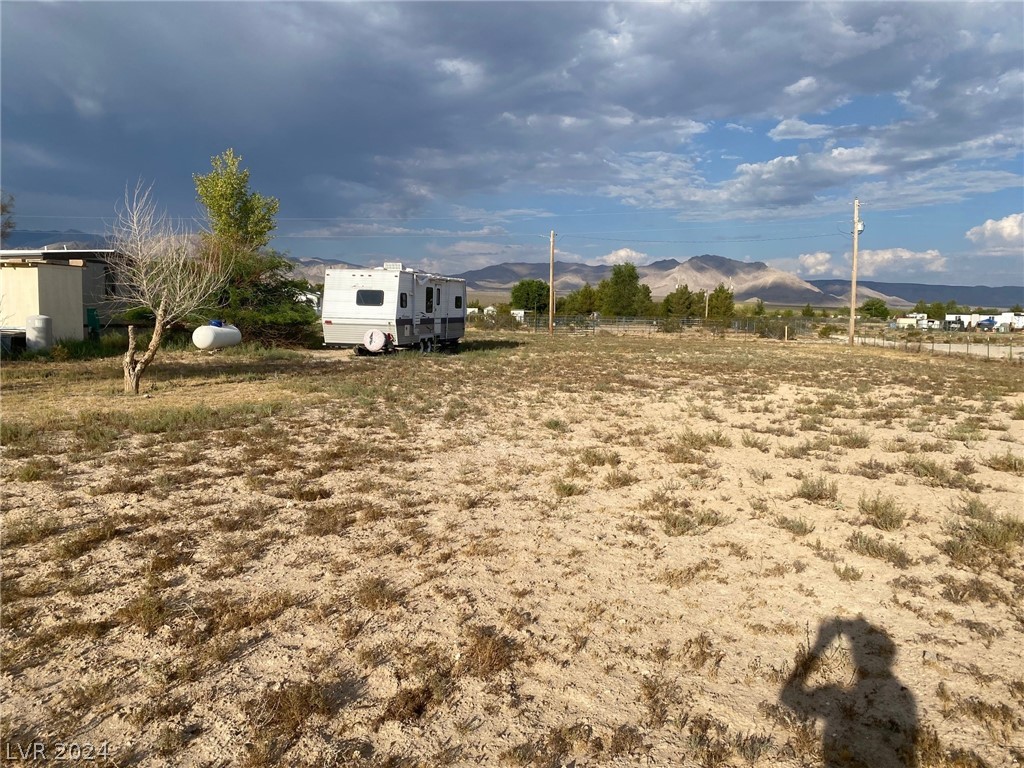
x=590, y=551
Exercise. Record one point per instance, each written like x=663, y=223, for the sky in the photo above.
x=453, y=136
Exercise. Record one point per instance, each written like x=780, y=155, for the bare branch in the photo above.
x=160, y=267
x=159, y=263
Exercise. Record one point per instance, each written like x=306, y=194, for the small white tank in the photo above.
x=39, y=332
x=216, y=337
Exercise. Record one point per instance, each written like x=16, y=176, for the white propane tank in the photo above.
x=216, y=337
x=38, y=332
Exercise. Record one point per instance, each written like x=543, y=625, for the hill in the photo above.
x=975, y=295
x=749, y=280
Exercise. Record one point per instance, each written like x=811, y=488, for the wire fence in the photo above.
x=1007, y=347
x=648, y=326
x=998, y=348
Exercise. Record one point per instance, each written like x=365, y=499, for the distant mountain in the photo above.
x=749, y=281
x=976, y=295
x=312, y=270
x=53, y=239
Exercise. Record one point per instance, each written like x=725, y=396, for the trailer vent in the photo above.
x=394, y=265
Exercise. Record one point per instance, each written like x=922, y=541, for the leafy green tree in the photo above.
x=264, y=301
x=6, y=217
x=807, y=311
x=1017, y=309
x=238, y=217
x=921, y=308
x=720, y=304
x=623, y=294
x=261, y=297
x=875, y=308
x=758, y=308
x=682, y=302
x=530, y=294
x=582, y=301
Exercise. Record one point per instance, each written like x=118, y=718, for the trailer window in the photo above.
x=430, y=300
x=366, y=298
x=458, y=302
x=437, y=296
x=403, y=300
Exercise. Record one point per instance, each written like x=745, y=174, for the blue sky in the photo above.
x=457, y=135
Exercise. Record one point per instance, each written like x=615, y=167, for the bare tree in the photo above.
x=6, y=215
x=160, y=267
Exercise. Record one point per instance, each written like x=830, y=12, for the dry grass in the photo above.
x=614, y=557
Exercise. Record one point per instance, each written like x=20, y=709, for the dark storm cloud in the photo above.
x=383, y=109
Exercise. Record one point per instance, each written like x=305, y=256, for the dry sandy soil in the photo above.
x=574, y=552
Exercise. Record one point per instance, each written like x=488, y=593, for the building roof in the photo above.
x=56, y=254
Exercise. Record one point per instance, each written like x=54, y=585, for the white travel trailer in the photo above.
x=386, y=308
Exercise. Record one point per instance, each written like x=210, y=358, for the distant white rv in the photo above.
x=387, y=308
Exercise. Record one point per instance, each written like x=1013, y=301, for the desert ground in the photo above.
x=680, y=550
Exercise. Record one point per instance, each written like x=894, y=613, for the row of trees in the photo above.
x=937, y=310
x=623, y=295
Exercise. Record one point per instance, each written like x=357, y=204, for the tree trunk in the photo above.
x=134, y=368
x=132, y=375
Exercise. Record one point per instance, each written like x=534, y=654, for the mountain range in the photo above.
x=749, y=281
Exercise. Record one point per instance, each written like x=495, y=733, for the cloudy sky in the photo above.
x=456, y=135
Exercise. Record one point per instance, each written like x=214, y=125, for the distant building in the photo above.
x=35, y=287
x=97, y=279
x=1004, y=321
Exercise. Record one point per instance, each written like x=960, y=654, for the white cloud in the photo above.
x=1001, y=237
x=468, y=74
x=873, y=262
x=31, y=155
x=802, y=87
x=815, y=264
x=87, y=106
x=738, y=127
x=621, y=256
x=461, y=256
x=797, y=129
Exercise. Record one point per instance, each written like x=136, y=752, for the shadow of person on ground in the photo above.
x=871, y=720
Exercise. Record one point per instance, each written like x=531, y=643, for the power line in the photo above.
x=751, y=239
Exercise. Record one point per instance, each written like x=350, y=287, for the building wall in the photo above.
x=54, y=290
x=94, y=288
x=19, y=295
x=60, y=297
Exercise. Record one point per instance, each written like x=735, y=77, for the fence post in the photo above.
x=988, y=349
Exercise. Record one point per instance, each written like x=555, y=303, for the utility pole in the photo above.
x=551, y=289
x=858, y=227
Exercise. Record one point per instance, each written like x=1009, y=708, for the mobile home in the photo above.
x=380, y=309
